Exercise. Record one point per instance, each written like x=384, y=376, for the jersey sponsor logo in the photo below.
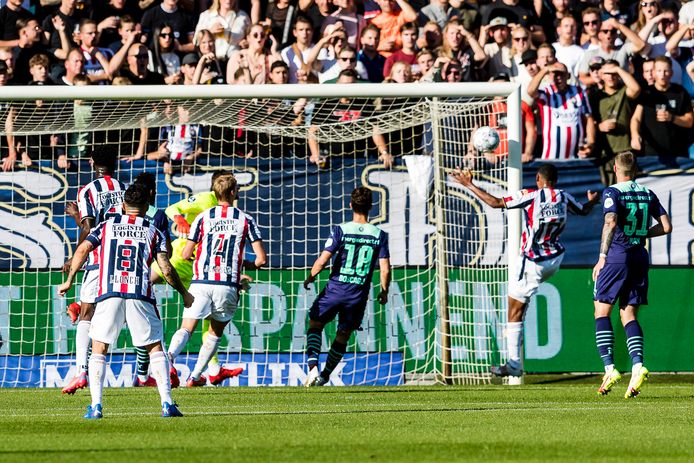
x=130, y=232
x=124, y=280
x=552, y=210
x=224, y=226
x=109, y=198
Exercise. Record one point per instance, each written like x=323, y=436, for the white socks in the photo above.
x=514, y=330
x=178, y=342
x=82, y=345
x=159, y=366
x=636, y=368
x=207, y=350
x=97, y=370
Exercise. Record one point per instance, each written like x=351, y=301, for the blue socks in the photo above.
x=604, y=338
x=313, y=345
x=634, y=341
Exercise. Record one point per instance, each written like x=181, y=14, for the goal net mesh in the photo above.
x=297, y=161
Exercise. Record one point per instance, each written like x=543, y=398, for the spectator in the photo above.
x=8, y=115
x=452, y=71
x=590, y=39
x=179, y=145
x=460, y=45
x=567, y=51
x=608, y=49
x=389, y=21
x=126, y=27
x=369, y=56
x=278, y=18
x=611, y=9
x=400, y=73
x=613, y=106
x=78, y=142
x=168, y=12
x=667, y=26
x=648, y=72
x=297, y=54
x=30, y=45
x=346, y=59
x=137, y=72
x=70, y=18
x=408, y=52
x=520, y=43
x=499, y=50
x=565, y=115
x=254, y=58
x=648, y=9
x=663, y=116
x=209, y=69
x=188, y=65
x=279, y=73
x=441, y=11
x=317, y=11
x=96, y=61
x=514, y=14
x=550, y=17
x=38, y=68
x=227, y=23
x=109, y=15
x=7, y=57
x=162, y=57
x=324, y=54
x=10, y=13
x=74, y=66
x=431, y=36
x=346, y=17
x=425, y=65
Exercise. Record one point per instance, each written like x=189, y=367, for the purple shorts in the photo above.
x=627, y=283
x=328, y=304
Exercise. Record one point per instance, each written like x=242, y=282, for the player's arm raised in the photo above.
x=384, y=267
x=464, y=177
x=172, y=278
x=608, y=229
x=318, y=267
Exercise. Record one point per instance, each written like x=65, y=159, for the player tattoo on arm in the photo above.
x=608, y=229
x=170, y=274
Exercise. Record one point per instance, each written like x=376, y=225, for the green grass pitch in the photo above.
x=558, y=419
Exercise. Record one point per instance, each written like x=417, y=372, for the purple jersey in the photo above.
x=100, y=199
x=635, y=206
x=356, y=247
x=221, y=233
x=126, y=246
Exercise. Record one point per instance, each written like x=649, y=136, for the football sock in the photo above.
x=214, y=361
x=313, y=344
x=514, y=331
x=337, y=350
x=82, y=345
x=97, y=370
x=208, y=349
x=604, y=338
x=160, y=371
x=634, y=341
x=142, y=363
x=178, y=342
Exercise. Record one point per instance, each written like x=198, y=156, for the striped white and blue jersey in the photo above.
x=221, y=233
x=126, y=245
x=545, y=212
x=100, y=199
x=562, y=125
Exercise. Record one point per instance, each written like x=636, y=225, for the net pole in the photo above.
x=514, y=179
x=441, y=267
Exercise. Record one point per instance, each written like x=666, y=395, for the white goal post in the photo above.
x=451, y=253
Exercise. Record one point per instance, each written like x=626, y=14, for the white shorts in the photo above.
x=142, y=318
x=525, y=279
x=90, y=286
x=218, y=302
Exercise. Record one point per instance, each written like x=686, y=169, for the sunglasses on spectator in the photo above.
x=165, y=34
x=351, y=59
x=521, y=39
x=668, y=21
x=608, y=31
x=647, y=4
x=257, y=35
x=594, y=22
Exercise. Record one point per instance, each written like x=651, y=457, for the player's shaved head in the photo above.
x=136, y=197
x=105, y=157
x=548, y=172
x=149, y=181
x=625, y=163
x=224, y=187
x=362, y=200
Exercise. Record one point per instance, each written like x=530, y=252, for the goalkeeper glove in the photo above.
x=182, y=226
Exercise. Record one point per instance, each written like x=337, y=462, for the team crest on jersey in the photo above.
x=609, y=202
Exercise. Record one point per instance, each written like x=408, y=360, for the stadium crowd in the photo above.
x=598, y=77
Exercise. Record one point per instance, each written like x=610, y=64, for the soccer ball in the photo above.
x=485, y=139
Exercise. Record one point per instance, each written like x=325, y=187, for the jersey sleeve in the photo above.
x=519, y=199
x=95, y=236
x=85, y=204
x=574, y=206
x=609, y=201
x=383, y=251
x=196, y=229
x=162, y=224
x=655, y=208
x=253, y=230
x=161, y=241
x=332, y=244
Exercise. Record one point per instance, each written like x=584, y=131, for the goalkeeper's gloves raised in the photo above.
x=182, y=226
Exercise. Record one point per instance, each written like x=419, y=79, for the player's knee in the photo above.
x=343, y=336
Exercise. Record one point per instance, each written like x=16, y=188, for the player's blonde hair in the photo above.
x=224, y=187
x=625, y=162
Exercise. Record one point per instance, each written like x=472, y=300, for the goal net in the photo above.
x=297, y=152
